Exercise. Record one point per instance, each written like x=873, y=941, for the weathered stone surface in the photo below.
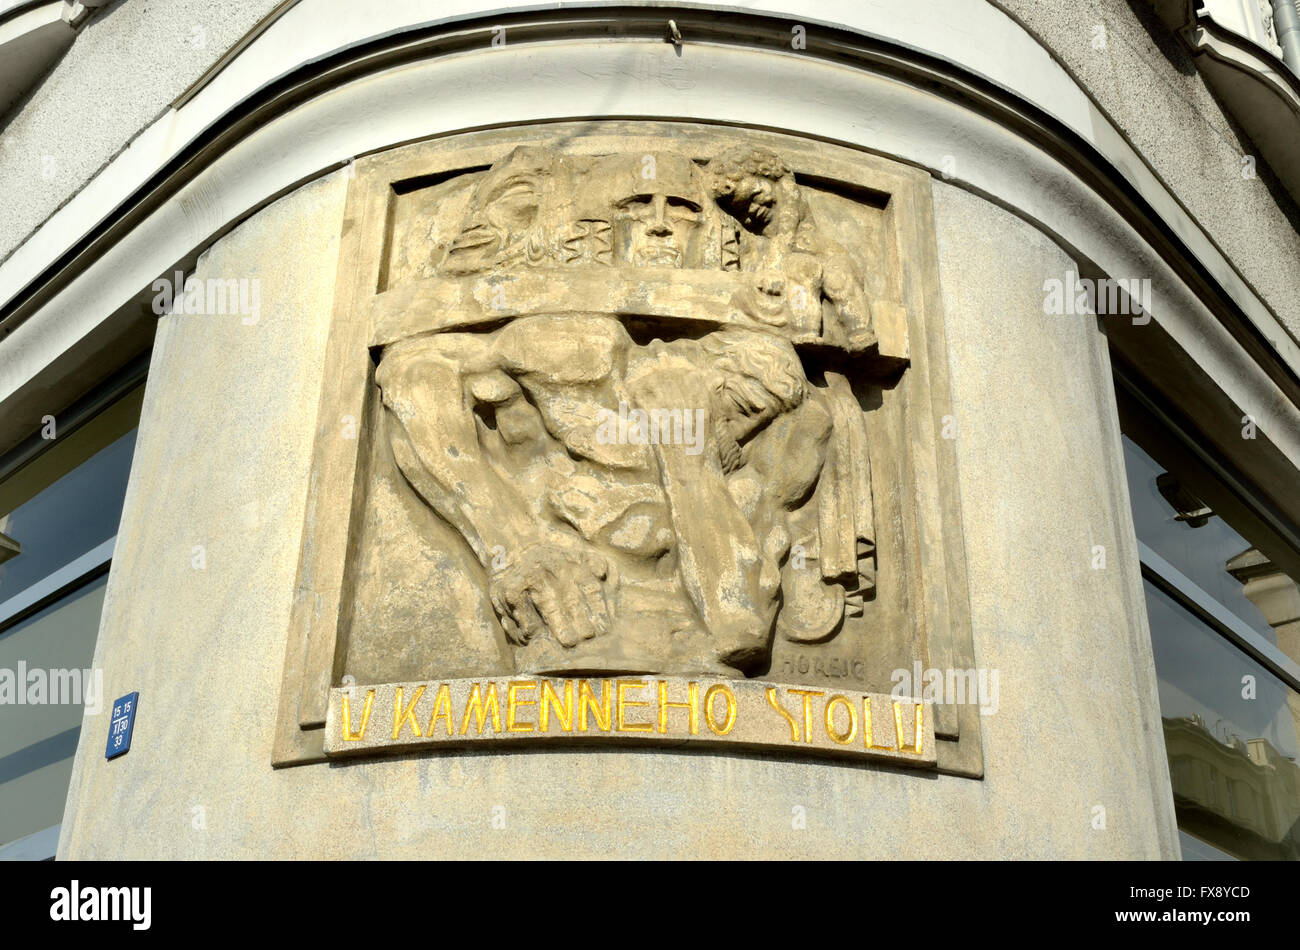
x=618, y=407
x=638, y=505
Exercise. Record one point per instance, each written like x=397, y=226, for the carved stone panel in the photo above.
x=632, y=409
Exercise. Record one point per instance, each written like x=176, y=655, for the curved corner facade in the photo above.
x=323, y=335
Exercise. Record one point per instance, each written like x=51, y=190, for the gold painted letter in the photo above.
x=400, y=717
x=843, y=738
x=551, y=699
x=868, y=739
x=587, y=700
x=512, y=702
x=807, y=695
x=692, y=703
x=441, y=707
x=477, y=704
x=776, y=704
x=730, y=699
x=623, y=703
x=918, y=736
x=365, y=718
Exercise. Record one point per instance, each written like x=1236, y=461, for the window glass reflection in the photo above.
x=68, y=518
x=39, y=737
x=1200, y=544
x=1231, y=736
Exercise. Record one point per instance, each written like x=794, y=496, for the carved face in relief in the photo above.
x=501, y=223
x=758, y=188
x=658, y=213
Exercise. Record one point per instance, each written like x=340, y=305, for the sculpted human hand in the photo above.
x=555, y=590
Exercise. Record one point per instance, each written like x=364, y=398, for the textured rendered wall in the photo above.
x=1143, y=78
x=126, y=67
x=222, y=463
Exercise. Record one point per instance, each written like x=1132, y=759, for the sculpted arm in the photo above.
x=430, y=390
x=435, y=441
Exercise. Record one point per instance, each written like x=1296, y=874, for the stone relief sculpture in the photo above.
x=624, y=390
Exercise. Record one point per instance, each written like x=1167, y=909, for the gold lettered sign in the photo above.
x=648, y=710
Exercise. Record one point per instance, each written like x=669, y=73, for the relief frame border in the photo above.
x=936, y=549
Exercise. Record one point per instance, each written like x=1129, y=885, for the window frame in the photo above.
x=86, y=567
x=67, y=579
x=1210, y=473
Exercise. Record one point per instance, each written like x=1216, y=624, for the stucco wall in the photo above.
x=1144, y=79
x=125, y=68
